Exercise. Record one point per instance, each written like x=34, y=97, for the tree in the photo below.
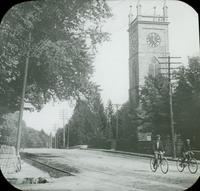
x=187, y=101
x=8, y=129
x=88, y=121
x=127, y=131
x=111, y=121
x=64, y=36
x=154, y=97
x=186, y=104
x=127, y=121
x=30, y=137
x=59, y=138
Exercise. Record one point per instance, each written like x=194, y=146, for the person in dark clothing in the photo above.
x=157, y=148
x=186, y=150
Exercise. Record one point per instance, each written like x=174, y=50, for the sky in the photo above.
x=111, y=62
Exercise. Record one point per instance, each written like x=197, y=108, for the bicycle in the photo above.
x=161, y=161
x=189, y=161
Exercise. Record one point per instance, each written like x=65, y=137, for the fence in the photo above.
x=9, y=162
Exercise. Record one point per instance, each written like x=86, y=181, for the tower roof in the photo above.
x=162, y=19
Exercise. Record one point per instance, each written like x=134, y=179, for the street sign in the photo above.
x=144, y=136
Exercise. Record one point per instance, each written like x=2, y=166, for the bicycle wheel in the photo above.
x=193, y=166
x=164, y=165
x=180, y=166
x=152, y=166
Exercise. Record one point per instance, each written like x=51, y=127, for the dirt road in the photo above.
x=100, y=171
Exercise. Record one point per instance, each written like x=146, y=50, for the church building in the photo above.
x=148, y=40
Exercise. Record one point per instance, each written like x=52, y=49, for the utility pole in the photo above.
x=169, y=68
x=108, y=124
x=23, y=95
x=117, y=120
x=55, y=141
x=63, y=130
x=68, y=137
x=117, y=123
x=50, y=145
x=55, y=138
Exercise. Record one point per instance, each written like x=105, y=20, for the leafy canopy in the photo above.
x=64, y=37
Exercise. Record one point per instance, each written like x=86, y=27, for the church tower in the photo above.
x=148, y=40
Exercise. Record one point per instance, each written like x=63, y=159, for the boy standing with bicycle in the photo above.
x=187, y=159
x=186, y=150
x=157, y=148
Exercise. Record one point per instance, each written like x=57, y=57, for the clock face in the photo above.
x=153, y=39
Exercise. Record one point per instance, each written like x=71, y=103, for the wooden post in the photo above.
x=22, y=99
x=67, y=137
x=171, y=110
x=63, y=131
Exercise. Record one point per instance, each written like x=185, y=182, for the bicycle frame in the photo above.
x=160, y=162
x=160, y=157
x=189, y=161
x=188, y=157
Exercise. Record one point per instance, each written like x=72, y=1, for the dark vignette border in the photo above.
x=6, y=5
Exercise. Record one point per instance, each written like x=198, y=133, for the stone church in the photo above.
x=148, y=40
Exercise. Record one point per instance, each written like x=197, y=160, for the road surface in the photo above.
x=102, y=171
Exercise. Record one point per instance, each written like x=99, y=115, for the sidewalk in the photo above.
x=28, y=173
x=132, y=153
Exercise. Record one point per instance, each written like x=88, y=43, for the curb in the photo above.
x=133, y=154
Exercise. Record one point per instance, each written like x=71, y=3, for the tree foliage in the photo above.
x=154, y=99
x=187, y=100
x=88, y=120
x=127, y=122
x=111, y=121
x=30, y=137
x=64, y=36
